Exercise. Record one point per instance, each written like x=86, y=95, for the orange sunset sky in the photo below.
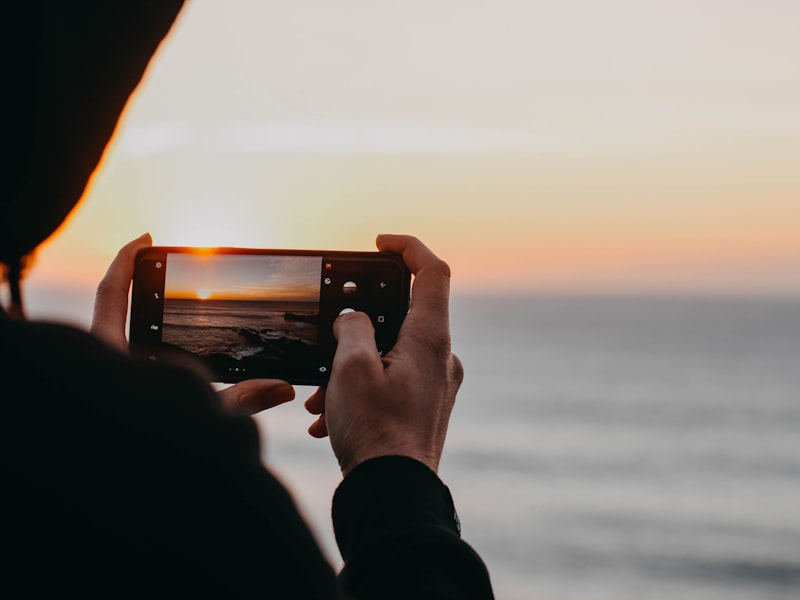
x=577, y=146
x=240, y=277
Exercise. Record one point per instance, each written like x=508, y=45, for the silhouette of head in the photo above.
x=73, y=68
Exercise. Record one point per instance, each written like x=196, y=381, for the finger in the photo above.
x=111, y=298
x=355, y=345
x=315, y=403
x=428, y=318
x=318, y=428
x=254, y=395
x=456, y=371
x=431, y=274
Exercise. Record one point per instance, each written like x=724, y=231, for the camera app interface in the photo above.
x=242, y=312
x=260, y=314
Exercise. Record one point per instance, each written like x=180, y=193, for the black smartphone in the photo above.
x=248, y=313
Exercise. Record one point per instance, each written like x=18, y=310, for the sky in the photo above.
x=242, y=277
x=625, y=146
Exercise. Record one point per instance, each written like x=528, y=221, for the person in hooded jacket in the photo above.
x=127, y=478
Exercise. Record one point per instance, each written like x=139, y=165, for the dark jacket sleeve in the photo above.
x=398, y=532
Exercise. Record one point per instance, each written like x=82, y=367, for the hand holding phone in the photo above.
x=261, y=313
x=400, y=405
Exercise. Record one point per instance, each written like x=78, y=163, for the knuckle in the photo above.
x=355, y=356
x=239, y=402
x=104, y=288
x=110, y=288
x=456, y=371
x=437, y=345
x=442, y=267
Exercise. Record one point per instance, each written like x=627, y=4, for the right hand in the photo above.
x=399, y=404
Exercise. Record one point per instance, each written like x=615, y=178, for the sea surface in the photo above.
x=608, y=448
x=236, y=328
x=612, y=448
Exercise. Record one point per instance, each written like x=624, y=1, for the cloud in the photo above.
x=155, y=138
x=332, y=138
x=369, y=139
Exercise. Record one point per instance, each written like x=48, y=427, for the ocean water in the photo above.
x=236, y=328
x=605, y=448
x=631, y=448
x=613, y=448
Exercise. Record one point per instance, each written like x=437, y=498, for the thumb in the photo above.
x=111, y=298
x=355, y=338
x=254, y=395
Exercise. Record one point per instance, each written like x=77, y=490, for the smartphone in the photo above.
x=248, y=313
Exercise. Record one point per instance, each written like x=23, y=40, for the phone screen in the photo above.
x=261, y=313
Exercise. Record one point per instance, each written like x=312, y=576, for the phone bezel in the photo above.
x=141, y=313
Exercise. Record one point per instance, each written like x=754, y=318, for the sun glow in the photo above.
x=203, y=294
x=583, y=167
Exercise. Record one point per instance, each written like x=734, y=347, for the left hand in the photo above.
x=108, y=323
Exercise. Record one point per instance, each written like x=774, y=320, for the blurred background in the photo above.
x=616, y=188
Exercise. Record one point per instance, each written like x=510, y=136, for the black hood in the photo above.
x=71, y=67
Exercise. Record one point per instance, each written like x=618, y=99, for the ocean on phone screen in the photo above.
x=237, y=328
